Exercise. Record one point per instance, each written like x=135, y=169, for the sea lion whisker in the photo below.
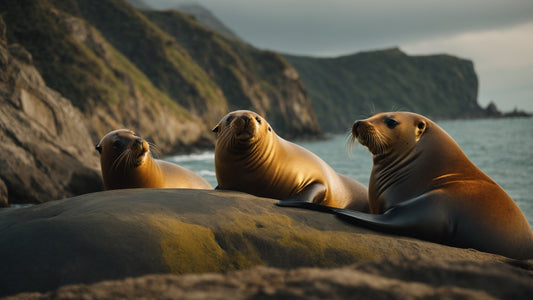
x=116, y=161
x=121, y=159
x=350, y=144
x=154, y=149
x=350, y=141
x=377, y=142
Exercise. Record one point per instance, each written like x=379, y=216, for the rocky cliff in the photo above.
x=47, y=152
x=132, y=75
x=123, y=70
x=253, y=79
x=350, y=87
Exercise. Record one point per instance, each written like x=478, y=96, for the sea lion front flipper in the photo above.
x=308, y=198
x=421, y=217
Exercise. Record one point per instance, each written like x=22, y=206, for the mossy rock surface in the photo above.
x=128, y=233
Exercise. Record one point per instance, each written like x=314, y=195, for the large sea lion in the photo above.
x=423, y=185
x=127, y=162
x=251, y=158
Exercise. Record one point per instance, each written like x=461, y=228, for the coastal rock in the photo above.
x=114, y=235
x=4, y=202
x=400, y=279
x=47, y=152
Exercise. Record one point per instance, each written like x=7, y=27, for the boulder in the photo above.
x=114, y=235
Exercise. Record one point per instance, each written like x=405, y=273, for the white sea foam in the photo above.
x=206, y=173
x=207, y=155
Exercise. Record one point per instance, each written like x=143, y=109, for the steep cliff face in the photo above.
x=345, y=88
x=262, y=81
x=77, y=60
x=122, y=70
x=47, y=152
x=166, y=64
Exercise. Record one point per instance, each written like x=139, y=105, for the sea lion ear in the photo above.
x=215, y=130
x=420, y=129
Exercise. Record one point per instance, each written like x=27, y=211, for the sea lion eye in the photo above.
x=258, y=120
x=391, y=123
x=99, y=148
x=117, y=144
x=229, y=119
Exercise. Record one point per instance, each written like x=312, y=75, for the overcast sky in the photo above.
x=496, y=34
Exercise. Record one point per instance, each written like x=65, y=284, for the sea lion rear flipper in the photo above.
x=420, y=218
x=308, y=198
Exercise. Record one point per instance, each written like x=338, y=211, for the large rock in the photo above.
x=47, y=152
x=399, y=279
x=129, y=233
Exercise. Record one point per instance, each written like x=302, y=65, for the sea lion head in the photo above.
x=122, y=149
x=241, y=129
x=390, y=131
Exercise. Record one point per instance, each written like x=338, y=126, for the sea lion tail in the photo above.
x=419, y=218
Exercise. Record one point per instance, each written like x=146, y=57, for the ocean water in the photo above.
x=502, y=148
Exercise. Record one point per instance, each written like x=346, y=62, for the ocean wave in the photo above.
x=207, y=155
x=207, y=173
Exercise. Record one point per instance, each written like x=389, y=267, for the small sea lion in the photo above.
x=127, y=162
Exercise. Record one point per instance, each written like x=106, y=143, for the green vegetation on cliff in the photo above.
x=346, y=88
x=250, y=78
x=155, y=53
x=78, y=61
x=145, y=70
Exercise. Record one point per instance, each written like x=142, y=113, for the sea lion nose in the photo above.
x=246, y=119
x=354, y=128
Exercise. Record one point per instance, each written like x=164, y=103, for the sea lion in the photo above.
x=423, y=185
x=127, y=162
x=250, y=157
